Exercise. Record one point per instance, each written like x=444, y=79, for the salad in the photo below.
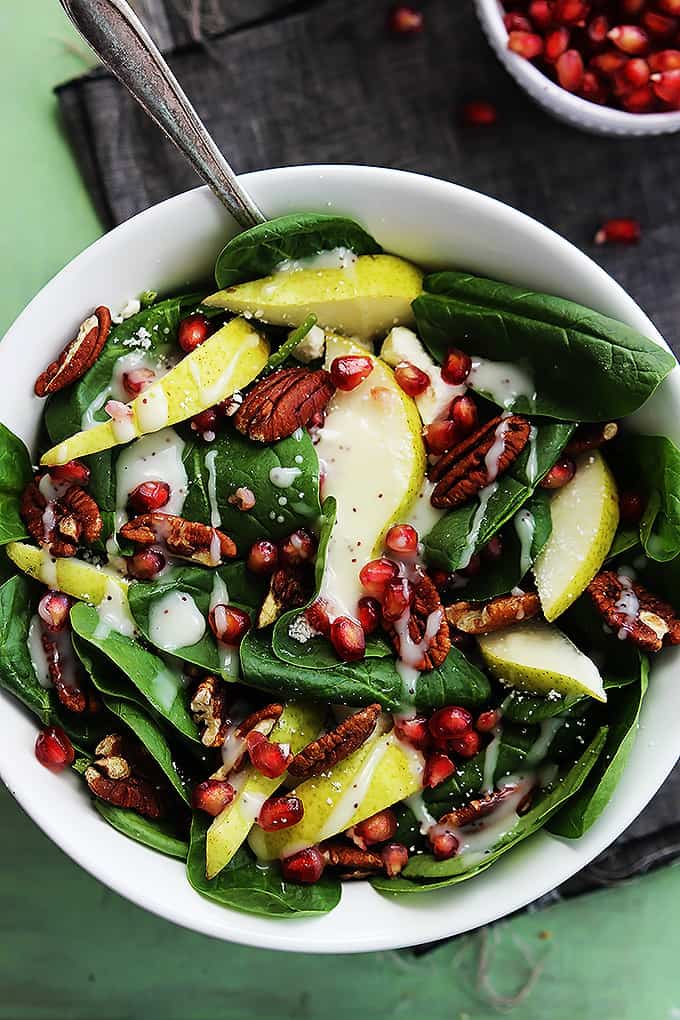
x=339, y=571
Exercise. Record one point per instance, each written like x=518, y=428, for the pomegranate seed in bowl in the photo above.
x=350, y=371
x=402, y=540
x=375, y=575
x=456, y=367
x=53, y=749
x=348, y=639
x=212, y=796
x=412, y=380
x=193, y=331
x=305, y=867
x=280, y=813
x=229, y=624
x=403, y=20
x=369, y=614
x=149, y=496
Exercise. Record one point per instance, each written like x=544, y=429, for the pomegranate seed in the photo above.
x=412, y=379
x=280, y=813
x=402, y=540
x=620, y=231
x=375, y=575
x=136, y=381
x=53, y=749
x=74, y=472
x=317, y=617
x=205, y=423
x=560, y=474
x=193, y=331
x=665, y=60
x=493, y=550
x=540, y=12
x=229, y=624
x=305, y=867
x=629, y=38
x=456, y=367
x=438, y=768
x=556, y=43
x=376, y=829
x=450, y=721
x=632, y=7
x=395, y=859
x=487, y=721
x=473, y=568
x=414, y=731
x=659, y=24
x=592, y=88
x=570, y=12
x=478, y=113
x=669, y=6
x=464, y=415
x=404, y=20
x=396, y=599
x=149, y=496
x=263, y=558
x=145, y=564
x=666, y=85
x=525, y=44
x=444, y=845
x=608, y=63
x=569, y=69
x=467, y=745
x=350, y=371
x=369, y=614
x=269, y=758
x=636, y=71
x=597, y=29
x=348, y=639
x=639, y=100
x=631, y=507
x=53, y=610
x=212, y=796
x=299, y=547
x=440, y=436
x=516, y=22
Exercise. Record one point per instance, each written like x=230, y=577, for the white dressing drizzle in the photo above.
x=351, y=797
x=175, y=621
x=419, y=808
x=215, y=516
x=166, y=685
x=156, y=457
x=484, y=495
x=36, y=652
x=502, y=381
x=532, y=461
x=491, y=759
x=478, y=838
x=628, y=604
x=283, y=477
x=334, y=258
x=113, y=613
x=539, y=748
x=525, y=528
x=227, y=654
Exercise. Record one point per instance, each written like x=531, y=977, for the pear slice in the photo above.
x=382, y=772
x=539, y=658
x=374, y=459
x=363, y=300
x=227, y=361
x=74, y=577
x=585, y=516
x=402, y=344
x=298, y=725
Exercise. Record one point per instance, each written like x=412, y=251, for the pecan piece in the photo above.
x=210, y=709
x=124, y=774
x=464, y=470
x=426, y=601
x=78, y=356
x=59, y=524
x=72, y=694
x=288, y=589
x=322, y=754
x=503, y=611
x=590, y=437
x=284, y=401
x=84, y=511
x=267, y=714
x=186, y=539
x=475, y=809
x=356, y=863
x=634, y=612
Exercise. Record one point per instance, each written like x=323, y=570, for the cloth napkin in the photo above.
x=281, y=83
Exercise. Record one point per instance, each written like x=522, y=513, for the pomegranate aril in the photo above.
x=53, y=610
x=450, y=721
x=493, y=550
x=299, y=547
x=263, y=558
x=618, y=231
x=456, y=367
x=438, y=768
x=478, y=113
x=74, y=472
x=376, y=829
x=375, y=575
x=515, y=22
x=467, y=745
x=556, y=43
x=212, y=796
x=305, y=867
x=636, y=71
x=145, y=564
x=632, y=7
x=631, y=507
x=396, y=599
x=666, y=85
x=369, y=614
x=403, y=20
x=149, y=496
x=229, y=624
x=137, y=380
x=440, y=436
x=608, y=63
x=193, y=331
x=414, y=731
x=525, y=44
x=569, y=70
x=411, y=379
x=280, y=813
x=394, y=858
x=597, y=29
x=669, y=6
x=205, y=423
x=664, y=60
x=269, y=758
x=593, y=89
x=487, y=721
x=53, y=749
x=560, y=474
x=464, y=414
x=659, y=24
x=350, y=371
x=540, y=13
x=317, y=617
x=629, y=38
x=639, y=100
x=570, y=12
x=444, y=845
x=348, y=639
x=402, y=539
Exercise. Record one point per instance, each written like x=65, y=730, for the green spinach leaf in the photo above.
x=651, y=464
x=15, y=474
x=16, y=669
x=159, y=835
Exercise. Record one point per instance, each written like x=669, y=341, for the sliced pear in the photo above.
x=382, y=772
x=538, y=657
x=585, y=516
x=298, y=725
x=74, y=577
x=362, y=300
x=402, y=344
x=375, y=462
x=227, y=361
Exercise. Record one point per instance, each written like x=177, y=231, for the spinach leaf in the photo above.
x=16, y=669
x=151, y=735
x=651, y=464
x=258, y=251
x=288, y=346
x=161, y=687
x=244, y=885
x=625, y=540
x=558, y=342
x=584, y=625
x=243, y=589
x=623, y=712
x=159, y=835
x=446, y=544
x=15, y=474
x=283, y=477
x=521, y=707
x=424, y=873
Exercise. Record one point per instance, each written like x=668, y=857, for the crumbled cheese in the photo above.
x=301, y=629
x=141, y=339
x=553, y=695
x=311, y=346
x=133, y=307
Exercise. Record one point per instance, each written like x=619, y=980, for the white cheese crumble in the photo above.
x=312, y=346
x=301, y=629
x=133, y=307
x=141, y=339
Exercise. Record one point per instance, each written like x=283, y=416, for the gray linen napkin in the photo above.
x=281, y=83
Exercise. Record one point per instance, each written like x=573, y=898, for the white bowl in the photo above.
x=436, y=224
x=601, y=120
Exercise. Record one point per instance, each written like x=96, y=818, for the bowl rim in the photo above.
x=309, y=935
x=577, y=109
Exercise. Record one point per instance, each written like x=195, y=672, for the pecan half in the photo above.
x=288, y=589
x=186, y=539
x=463, y=471
x=355, y=863
x=210, y=709
x=426, y=601
x=283, y=402
x=634, y=612
x=268, y=714
x=68, y=686
x=78, y=356
x=126, y=775
x=322, y=754
x=590, y=437
x=501, y=612
x=59, y=524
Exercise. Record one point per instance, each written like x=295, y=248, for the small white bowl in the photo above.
x=580, y=113
x=171, y=246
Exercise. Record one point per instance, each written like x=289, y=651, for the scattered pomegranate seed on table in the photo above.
x=478, y=113
x=403, y=20
x=619, y=231
x=53, y=749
